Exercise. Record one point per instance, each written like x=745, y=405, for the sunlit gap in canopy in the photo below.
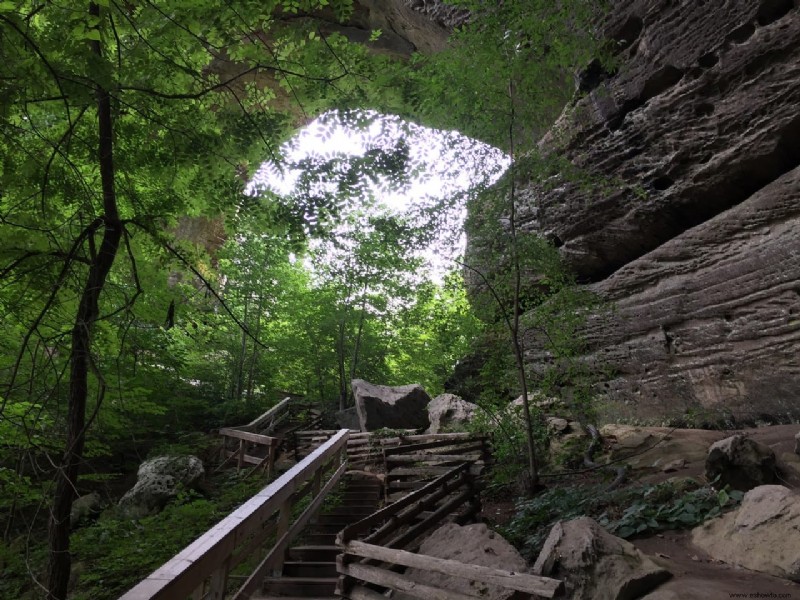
x=440, y=170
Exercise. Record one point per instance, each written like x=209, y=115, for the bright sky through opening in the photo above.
x=447, y=165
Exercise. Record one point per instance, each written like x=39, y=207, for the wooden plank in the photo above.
x=181, y=575
x=256, y=438
x=523, y=582
x=245, y=458
x=422, y=457
x=417, y=471
x=436, y=444
x=386, y=512
x=283, y=404
x=399, y=582
x=426, y=525
x=410, y=514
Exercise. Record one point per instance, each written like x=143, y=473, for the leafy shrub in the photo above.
x=639, y=510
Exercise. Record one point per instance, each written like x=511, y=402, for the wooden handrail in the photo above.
x=256, y=438
x=279, y=407
x=211, y=555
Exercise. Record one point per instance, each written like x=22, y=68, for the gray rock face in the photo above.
x=401, y=407
x=448, y=412
x=158, y=481
x=760, y=535
x=696, y=243
x=471, y=544
x=596, y=565
x=741, y=463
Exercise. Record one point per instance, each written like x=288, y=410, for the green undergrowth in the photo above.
x=629, y=512
x=114, y=553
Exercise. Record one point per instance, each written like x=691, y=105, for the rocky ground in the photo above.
x=656, y=454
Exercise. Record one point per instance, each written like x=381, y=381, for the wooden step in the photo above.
x=320, y=539
x=300, y=586
x=314, y=552
x=353, y=509
x=325, y=519
x=309, y=569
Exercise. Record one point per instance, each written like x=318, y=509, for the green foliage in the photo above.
x=528, y=49
x=627, y=512
x=116, y=553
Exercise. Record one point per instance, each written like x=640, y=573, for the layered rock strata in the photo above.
x=697, y=243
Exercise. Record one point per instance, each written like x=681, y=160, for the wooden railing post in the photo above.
x=284, y=517
x=240, y=463
x=219, y=582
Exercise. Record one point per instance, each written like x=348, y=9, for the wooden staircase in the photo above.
x=310, y=567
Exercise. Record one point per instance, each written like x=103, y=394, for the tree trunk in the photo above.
x=254, y=358
x=532, y=482
x=357, y=343
x=80, y=352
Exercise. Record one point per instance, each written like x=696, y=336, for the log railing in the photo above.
x=202, y=570
x=408, y=466
x=366, y=448
x=377, y=550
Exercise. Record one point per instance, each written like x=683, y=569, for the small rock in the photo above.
x=557, y=425
x=741, y=463
x=674, y=465
x=797, y=443
x=596, y=565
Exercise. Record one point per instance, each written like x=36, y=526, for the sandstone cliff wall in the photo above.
x=698, y=246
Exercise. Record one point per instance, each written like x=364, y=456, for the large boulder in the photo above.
x=449, y=412
x=596, y=565
x=159, y=480
x=762, y=534
x=474, y=545
x=401, y=407
x=741, y=463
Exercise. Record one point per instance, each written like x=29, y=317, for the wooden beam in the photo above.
x=523, y=582
x=477, y=441
x=399, y=582
x=256, y=438
x=380, y=516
